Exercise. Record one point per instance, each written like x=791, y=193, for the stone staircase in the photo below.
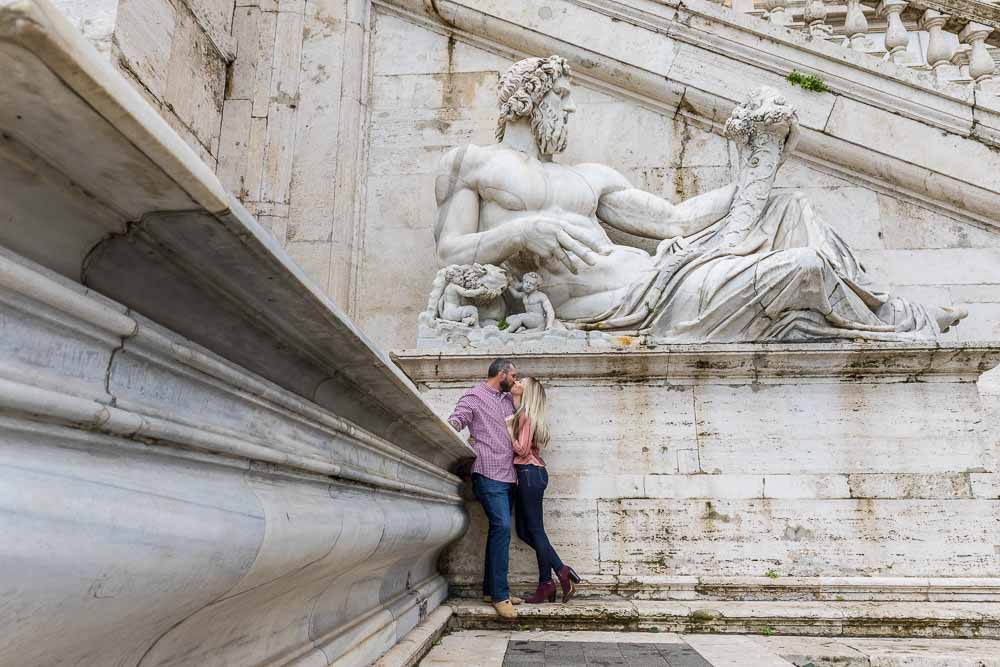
x=955, y=620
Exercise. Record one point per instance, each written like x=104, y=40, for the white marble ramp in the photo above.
x=499, y=648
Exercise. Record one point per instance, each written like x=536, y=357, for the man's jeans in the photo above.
x=497, y=499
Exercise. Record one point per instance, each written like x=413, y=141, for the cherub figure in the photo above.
x=453, y=284
x=538, y=314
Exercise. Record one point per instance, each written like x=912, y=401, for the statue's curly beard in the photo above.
x=550, y=128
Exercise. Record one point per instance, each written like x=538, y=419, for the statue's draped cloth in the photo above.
x=788, y=276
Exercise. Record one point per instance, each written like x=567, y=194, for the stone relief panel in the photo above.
x=423, y=108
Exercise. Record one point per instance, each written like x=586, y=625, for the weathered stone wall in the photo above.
x=776, y=477
x=175, y=52
x=292, y=127
x=439, y=92
x=270, y=93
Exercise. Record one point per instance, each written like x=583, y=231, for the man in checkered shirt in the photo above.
x=483, y=410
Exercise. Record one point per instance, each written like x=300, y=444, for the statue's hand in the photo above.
x=554, y=238
x=676, y=244
x=791, y=140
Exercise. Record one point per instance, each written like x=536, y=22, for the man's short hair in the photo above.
x=498, y=366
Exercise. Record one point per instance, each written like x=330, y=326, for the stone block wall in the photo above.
x=270, y=93
x=292, y=123
x=440, y=93
x=175, y=52
x=694, y=475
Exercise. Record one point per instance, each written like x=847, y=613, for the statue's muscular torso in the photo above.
x=511, y=184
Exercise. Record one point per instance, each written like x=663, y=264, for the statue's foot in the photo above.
x=949, y=316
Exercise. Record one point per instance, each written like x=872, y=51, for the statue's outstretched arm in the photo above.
x=644, y=214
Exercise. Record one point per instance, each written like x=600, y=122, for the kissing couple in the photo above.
x=507, y=420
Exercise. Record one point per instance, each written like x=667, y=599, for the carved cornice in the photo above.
x=727, y=363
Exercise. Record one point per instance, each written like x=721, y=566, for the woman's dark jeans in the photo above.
x=531, y=483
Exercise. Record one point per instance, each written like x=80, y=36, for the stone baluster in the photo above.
x=814, y=15
x=960, y=59
x=856, y=25
x=896, y=36
x=776, y=11
x=939, y=49
x=981, y=64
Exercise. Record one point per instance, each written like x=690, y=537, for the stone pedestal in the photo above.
x=757, y=472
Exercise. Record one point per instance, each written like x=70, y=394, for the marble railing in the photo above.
x=956, y=40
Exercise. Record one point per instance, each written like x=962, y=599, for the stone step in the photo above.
x=963, y=620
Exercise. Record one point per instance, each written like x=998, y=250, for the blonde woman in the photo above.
x=529, y=433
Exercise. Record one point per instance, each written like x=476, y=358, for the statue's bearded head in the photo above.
x=537, y=89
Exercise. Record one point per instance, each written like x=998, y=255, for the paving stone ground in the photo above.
x=537, y=653
x=482, y=648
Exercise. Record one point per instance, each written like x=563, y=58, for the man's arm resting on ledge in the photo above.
x=461, y=416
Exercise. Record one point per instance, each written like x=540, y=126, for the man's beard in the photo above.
x=505, y=386
x=549, y=127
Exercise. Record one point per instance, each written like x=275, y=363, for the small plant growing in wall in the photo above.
x=502, y=324
x=807, y=81
x=772, y=574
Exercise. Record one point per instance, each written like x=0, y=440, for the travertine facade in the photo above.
x=174, y=52
x=769, y=472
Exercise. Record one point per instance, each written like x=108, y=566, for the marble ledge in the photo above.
x=878, y=362
x=153, y=230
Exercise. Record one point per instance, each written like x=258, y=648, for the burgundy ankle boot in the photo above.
x=546, y=593
x=567, y=579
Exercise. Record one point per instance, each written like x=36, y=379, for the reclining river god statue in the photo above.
x=735, y=264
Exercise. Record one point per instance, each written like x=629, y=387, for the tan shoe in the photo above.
x=513, y=600
x=505, y=610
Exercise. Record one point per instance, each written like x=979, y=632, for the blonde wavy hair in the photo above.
x=534, y=407
x=523, y=86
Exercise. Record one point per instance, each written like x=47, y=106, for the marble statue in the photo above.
x=734, y=264
x=538, y=315
x=471, y=294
